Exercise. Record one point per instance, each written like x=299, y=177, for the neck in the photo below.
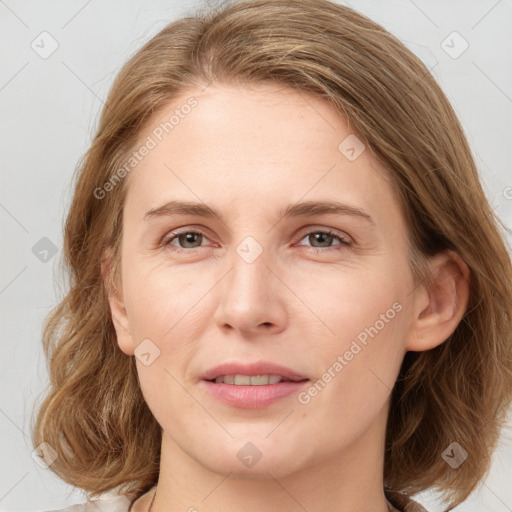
x=349, y=479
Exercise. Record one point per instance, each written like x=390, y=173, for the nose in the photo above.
x=252, y=298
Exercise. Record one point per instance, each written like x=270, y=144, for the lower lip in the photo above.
x=252, y=397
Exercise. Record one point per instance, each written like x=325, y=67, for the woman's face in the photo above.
x=325, y=294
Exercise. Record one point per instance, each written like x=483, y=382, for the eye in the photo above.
x=189, y=240
x=325, y=238
x=186, y=239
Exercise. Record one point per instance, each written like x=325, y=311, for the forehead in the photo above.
x=251, y=145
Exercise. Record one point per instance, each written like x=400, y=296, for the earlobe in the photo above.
x=439, y=306
x=117, y=308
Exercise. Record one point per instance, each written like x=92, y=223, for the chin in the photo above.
x=253, y=461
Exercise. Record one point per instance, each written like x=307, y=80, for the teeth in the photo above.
x=249, y=380
x=242, y=380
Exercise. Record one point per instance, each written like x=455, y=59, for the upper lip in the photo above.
x=253, y=369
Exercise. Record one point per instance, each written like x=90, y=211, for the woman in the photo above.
x=210, y=355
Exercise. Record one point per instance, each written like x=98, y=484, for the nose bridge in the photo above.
x=250, y=274
x=249, y=295
x=250, y=252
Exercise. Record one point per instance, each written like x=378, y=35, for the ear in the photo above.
x=440, y=305
x=118, y=312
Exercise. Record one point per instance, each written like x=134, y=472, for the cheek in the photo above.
x=159, y=296
x=363, y=318
x=348, y=301
x=356, y=368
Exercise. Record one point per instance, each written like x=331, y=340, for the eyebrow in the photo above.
x=303, y=209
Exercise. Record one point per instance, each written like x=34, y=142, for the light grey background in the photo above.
x=50, y=107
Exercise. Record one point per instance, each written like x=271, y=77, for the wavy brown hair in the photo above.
x=94, y=415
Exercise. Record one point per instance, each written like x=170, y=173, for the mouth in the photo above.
x=252, y=386
x=252, y=380
x=251, y=374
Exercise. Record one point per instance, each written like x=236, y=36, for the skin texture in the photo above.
x=249, y=152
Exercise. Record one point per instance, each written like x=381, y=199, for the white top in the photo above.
x=113, y=504
x=398, y=500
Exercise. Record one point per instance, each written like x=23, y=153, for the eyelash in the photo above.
x=166, y=241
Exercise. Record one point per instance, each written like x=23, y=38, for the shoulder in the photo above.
x=111, y=504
